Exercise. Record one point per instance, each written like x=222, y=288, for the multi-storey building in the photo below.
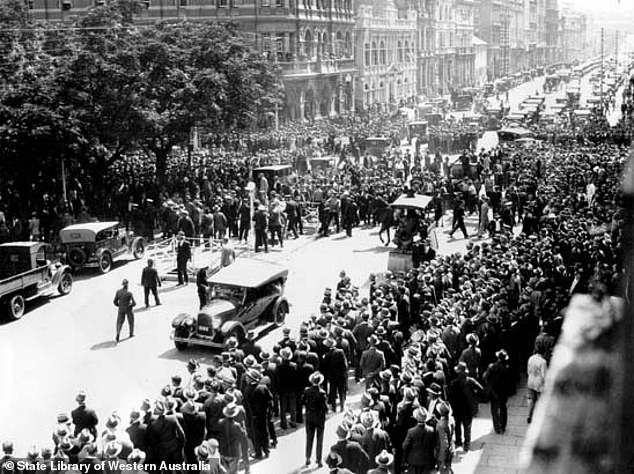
x=465, y=49
x=385, y=53
x=551, y=30
x=311, y=40
x=426, y=47
x=573, y=38
x=445, y=30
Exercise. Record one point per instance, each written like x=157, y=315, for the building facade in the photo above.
x=311, y=40
x=573, y=37
x=465, y=50
x=385, y=54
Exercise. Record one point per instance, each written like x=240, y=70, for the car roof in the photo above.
x=21, y=244
x=249, y=273
x=92, y=226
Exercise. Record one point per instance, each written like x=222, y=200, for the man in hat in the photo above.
x=7, y=457
x=419, y=445
x=383, y=462
x=498, y=380
x=150, y=281
x=165, y=436
x=193, y=422
x=375, y=440
x=334, y=462
x=287, y=375
x=372, y=362
x=458, y=219
x=257, y=404
x=124, y=301
x=353, y=456
x=462, y=395
x=261, y=219
x=335, y=369
x=183, y=255
x=84, y=417
x=137, y=431
x=233, y=441
x=315, y=402
x=250, y=347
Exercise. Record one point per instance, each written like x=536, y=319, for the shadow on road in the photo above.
x=377, y=249
x=104, y=345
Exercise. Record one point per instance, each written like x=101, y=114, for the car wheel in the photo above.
x=138, y=248
x=105, y=262
x=237, y=333
x=76, y=257
x=65, y=284
x=280, y=311
x=181, y=332
x=16, y=306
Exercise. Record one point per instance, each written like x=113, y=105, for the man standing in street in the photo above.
x=183, y=255
x=84, y=417
x=335, y=367
x=314, y=399
x=124, y=301
x=498, y=381
x=261, y=219
x=462, y=394
x=150, y=281
x=458, y=219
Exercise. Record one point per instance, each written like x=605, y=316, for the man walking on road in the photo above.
x=183, y=255
x=498, y=380
x=124, y=301
x=150, y=281
x=314, y=399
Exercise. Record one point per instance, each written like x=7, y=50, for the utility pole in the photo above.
x=616, y=47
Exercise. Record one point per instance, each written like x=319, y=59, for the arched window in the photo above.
x=383, y=53
x=324, y=43
x=367, y=54
x=399, y=51
x=339, y=46
x=308, y=44
x=407, y=53
x=375, y=54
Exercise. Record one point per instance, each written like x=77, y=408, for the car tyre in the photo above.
x=16, y=306
x=76, y=257
x=181, y=332
x=138, y=248
x=280, y=311
x=105, y=262
x=65, y=284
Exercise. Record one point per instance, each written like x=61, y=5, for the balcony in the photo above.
x=303, y=67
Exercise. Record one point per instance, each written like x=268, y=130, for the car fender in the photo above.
x=103, y=250
x=229, y=326
x=180, y=319
x=58, y=271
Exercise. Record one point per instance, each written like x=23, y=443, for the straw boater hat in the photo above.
x=230, y=411
x=420, y=415
x=384, y=459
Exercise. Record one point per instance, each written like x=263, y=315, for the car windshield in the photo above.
x=228, y=292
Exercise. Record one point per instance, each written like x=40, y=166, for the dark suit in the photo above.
x=138, y=435
x=314, y=399
x=287, y=373
x=124, y=301
x=183, y=255
x=233, y=444
x=166, y=440
x=85, y=418
x=418, y=448
x=150, y=281
x=353, y=456
x=335, y=368
x=213, y=413
x=257, y=403
x=194, y=428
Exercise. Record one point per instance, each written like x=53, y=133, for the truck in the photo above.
x=29, y=270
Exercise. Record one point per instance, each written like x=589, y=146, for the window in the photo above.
x=348, y=46
x=222, y=3
x=308, y=44
x=399, y=52
x=375, y=54
x=339, y=45
x=266, y=3
x=383, y=54
x=367, y=54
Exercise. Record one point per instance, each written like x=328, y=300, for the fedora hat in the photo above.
x=461, y=368
x=265, y=355
x=384, y=459
x=333, y=460
x=202, y=452
x=420, y=415
x=434, y=389
x=136, y=456
x=368, y=419
x=343, y=432
x=329, y=342
x=230, y=411
x=254, y=375
x=190, y=394
x=316, y=378
x=85, y=436
x=286, y=353
x=112, y=449
x=502, y=355
x=189, y=408
x=249, y=361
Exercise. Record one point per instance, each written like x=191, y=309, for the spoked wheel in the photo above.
x=138, y=248
x=65, y=284
x=280, y=311
x=16, y=306
x=105, y=262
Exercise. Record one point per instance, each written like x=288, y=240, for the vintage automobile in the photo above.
x=29, y=270
x=99, y=244
x=240, y=297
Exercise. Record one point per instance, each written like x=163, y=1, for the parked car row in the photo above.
x=29, y=270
